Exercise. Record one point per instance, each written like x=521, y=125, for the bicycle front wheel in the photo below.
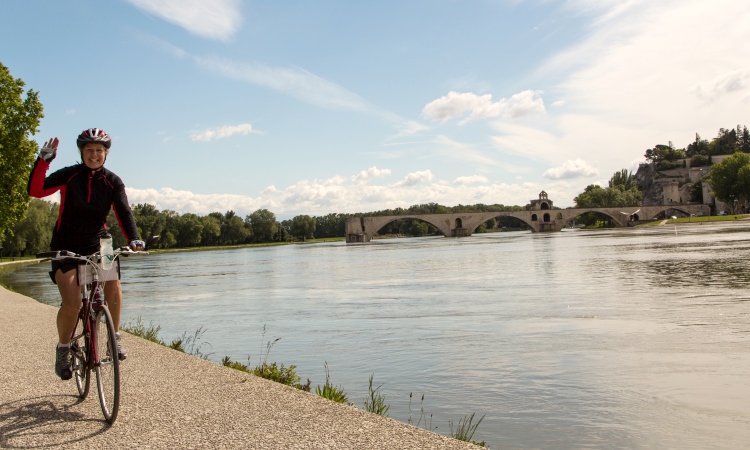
x=108, y=365
x=81, y=370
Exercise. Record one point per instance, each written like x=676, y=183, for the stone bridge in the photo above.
x=541, y=218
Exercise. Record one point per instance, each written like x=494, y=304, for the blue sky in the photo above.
x=317, y=107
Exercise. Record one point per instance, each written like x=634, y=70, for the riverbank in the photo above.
x=171, y=400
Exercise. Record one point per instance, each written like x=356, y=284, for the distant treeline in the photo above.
x=727, y=142
x=34, y=232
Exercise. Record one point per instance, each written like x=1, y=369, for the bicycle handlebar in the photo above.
x=62, y=254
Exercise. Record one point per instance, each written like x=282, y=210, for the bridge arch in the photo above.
x=663, y=212
x=618, y=221
x=474, y=223
x=380, y=222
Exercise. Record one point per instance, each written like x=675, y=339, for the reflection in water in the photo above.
x=622, y=338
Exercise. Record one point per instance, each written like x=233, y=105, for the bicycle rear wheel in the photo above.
x=108, y=366
x=81, y=370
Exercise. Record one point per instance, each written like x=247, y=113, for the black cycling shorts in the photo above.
x=66, y=265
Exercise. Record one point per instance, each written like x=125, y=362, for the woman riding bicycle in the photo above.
x=87, y=192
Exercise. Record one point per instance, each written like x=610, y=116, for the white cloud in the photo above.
x=457, y=104
x=217, y=19
x=473, y=179
x=223, y=132
x=727, y=83
x=558, y=103
x=409, y=128
x=415, y=178
x=571, y=169
x=345, y=195
x=296, y=82
x=371, y=173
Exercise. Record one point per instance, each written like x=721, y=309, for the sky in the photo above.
x=341, y=107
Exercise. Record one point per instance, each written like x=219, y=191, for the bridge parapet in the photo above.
x=363, y=228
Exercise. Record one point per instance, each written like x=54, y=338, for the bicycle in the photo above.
x=93, y=344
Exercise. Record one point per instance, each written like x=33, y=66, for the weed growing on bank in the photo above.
x=465, y=429
x=273, y=372
x=185, y=344
x=376, y=403
x=421, y=415
x=329, y=391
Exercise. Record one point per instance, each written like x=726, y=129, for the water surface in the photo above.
x=630, y=338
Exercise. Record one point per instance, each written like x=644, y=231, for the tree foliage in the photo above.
x=303, y=227
x=263, y=224
x=32, y=234
x=621, y=191
x=19, y=119
x=730, y=179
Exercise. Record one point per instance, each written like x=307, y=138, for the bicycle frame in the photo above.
x=91, y=299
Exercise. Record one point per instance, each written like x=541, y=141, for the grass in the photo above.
x=421, y=415
x=709, y=218
x=185, y=344
x=466, y=429
x=376, y=403
x=329, y=391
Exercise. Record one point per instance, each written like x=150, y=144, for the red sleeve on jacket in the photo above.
x=37, y=186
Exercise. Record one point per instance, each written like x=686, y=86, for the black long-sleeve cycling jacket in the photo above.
x=86, y=197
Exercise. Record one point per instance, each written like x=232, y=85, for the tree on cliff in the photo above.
x=19, y=118
x=664, y=153
x=730, y=179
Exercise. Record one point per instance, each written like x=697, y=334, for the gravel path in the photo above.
x=170, y=400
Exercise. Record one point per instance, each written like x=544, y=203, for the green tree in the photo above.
x=263, y=224
x=330, y=225
x=211, y=230
x=189, y=229
x=233, y=231
x=697, y=147
x=32, y=234
x=624, y=180
x=664, y=153
x=150, y=221
x=696, y=192
x=19, y=119
x=725, y=143
x=303, y=227
x=730, y=179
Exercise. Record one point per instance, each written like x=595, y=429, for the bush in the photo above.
x=667, y=165
x=283, y=375
x=699, y=160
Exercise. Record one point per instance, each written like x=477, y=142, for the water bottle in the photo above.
x=106, y=251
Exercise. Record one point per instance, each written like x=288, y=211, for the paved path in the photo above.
x=170, y=400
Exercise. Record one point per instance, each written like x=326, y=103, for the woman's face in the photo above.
x=93, y=155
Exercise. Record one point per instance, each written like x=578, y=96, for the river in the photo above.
x=625, y=338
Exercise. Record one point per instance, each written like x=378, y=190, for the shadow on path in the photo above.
x=47, y=421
